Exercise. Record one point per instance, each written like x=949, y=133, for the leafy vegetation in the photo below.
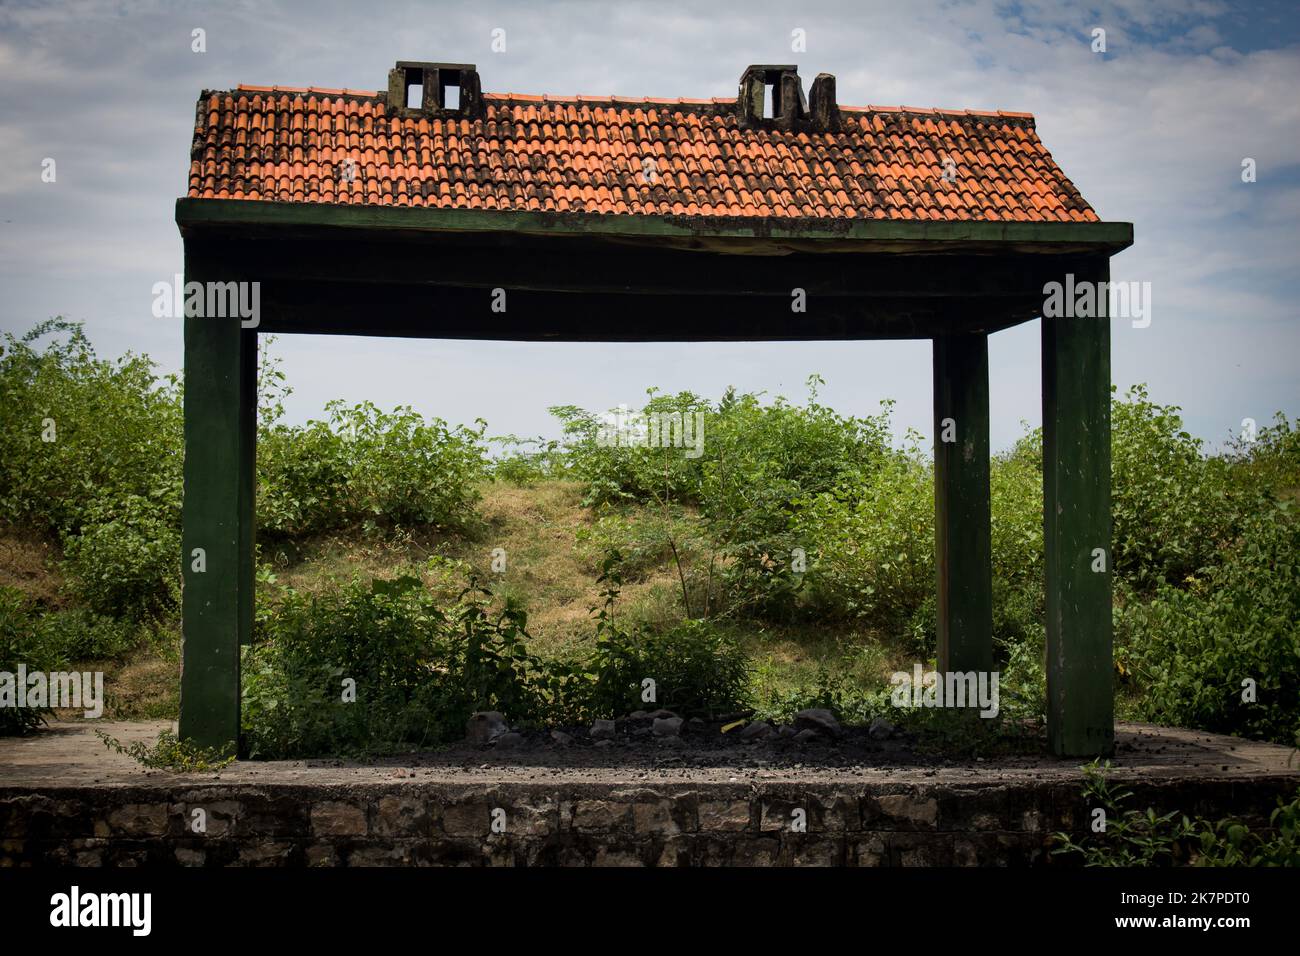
x=172, y=754
x=387, y=666
x=1140, y=837
x=789, y=563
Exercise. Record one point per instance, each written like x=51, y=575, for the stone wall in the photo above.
x=574, y=824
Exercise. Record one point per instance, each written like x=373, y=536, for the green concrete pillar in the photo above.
x=217, y=520
x=1076, y=529
x=963, y=554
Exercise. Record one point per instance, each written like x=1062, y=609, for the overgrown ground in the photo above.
x=551, y=568
x=440, y=571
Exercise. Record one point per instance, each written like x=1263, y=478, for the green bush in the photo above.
x=1192, y=649
x=76, y=634
x=368, y=468
x=125, y=562
x=697, y=670
x=758, y=460
x=1173, y=509
x=20, y=643
x=302, y=479
x=1271, y=462
x=90, y=452
x=419, y=670
x=642, y=538
x=614, y=468
x=872, y=544
x=761, y=459
x=51, y=641
x=529, y=460
x=838, y=691
x=78, y=435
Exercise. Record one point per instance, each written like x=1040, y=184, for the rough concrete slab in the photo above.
x=68, y=754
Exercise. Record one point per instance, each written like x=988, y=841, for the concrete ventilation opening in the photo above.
x=434, y=89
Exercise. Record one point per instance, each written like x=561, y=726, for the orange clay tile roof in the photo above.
x=626, y=157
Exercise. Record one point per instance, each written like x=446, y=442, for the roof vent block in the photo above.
x=788, y=106
x=434, y=79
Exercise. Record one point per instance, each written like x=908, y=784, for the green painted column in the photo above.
x=247, y=480
x=216, y=522
x=1076, y=530
x=963, y=555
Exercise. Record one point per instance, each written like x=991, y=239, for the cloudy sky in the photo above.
x=1154, y=132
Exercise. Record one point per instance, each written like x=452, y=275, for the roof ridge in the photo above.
x=581, y=98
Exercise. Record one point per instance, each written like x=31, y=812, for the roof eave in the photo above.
x=748, y=235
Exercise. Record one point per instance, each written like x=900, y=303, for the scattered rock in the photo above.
x=602, y=729
x=561, y=738
x=484, y=726
x=637, y=715
x=660, y=714
x=785, y=730
x=673, y=742
x=756, y=731
x=508, y=741
x=806, y=736
x=819, y=720
x=881, y=729
x=667, y=726
x=604, y=743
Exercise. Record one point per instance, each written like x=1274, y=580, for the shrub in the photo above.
x=839, y=691
x=1272, y=461
x=758, y=460
x=21, y=643
x=114, y=430
x=525, y=465
x=125, y=562
x=419, y=671
x=76, y=634
x=1192, y=649
x=761, y=459
x=696, y=669
x=1173, y=509
x=642, y=538
x=615, y=469
x=369, y=468
x=872, y=543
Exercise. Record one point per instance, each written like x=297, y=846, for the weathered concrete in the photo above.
x=65, y=799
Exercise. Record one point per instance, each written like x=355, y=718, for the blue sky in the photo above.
x=1153, y=131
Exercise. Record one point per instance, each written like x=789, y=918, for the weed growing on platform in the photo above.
x=172, y=754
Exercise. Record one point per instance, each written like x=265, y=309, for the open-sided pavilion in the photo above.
x=416, y=211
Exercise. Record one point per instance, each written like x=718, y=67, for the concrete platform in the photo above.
x=66, y=799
